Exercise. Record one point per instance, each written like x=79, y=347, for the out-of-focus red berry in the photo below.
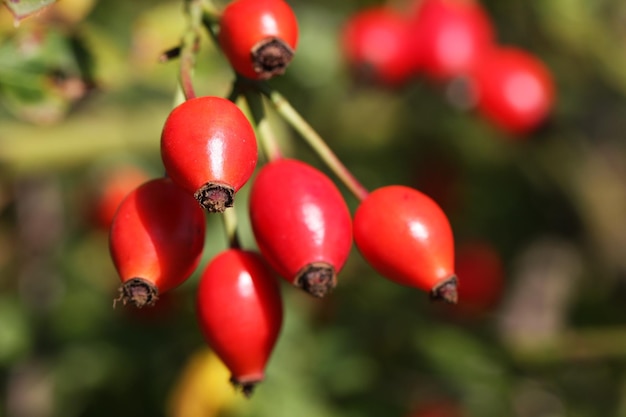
x=377, y=45
x=481, y=274
x=450, y=36
x=513, y=89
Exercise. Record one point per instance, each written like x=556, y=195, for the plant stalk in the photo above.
x=189, y=46
x=315, y=141
x=229, y=219
x=267, y=138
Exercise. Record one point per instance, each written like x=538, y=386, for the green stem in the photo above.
x=210, y=11
x=210, y=22
x=295, y=120
x=189, y=46
x=179, y=96
x=229, y=219
x=267, y=138
x=235, y=92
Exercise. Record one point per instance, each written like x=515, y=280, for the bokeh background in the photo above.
x=83, y=95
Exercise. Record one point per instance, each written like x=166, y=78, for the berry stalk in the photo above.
x=189, y=46
x=210, y=21
x=267, y=138
x=315, y=141
x=229, y=220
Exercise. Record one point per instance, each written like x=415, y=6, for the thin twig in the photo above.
x=291, y=116
x=189, y=47
x=229, y=219
x=267, y=138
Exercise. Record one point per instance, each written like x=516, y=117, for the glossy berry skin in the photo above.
x=451, y=37
x=514, y=90
x=258, y=37
x=156, y=240
x=240, y=313
x=209, y=148
x=301, y=223
x=377, y=45
x=405, y=236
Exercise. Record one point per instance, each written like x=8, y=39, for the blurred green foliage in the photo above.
x=82, y=91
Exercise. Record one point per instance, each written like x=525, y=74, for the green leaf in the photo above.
x=24, y=8
x=40, y=80
x=15, y=333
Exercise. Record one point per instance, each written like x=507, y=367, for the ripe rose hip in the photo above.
x=209, y=148
x=240, y=313
x=451, y=36
x=377, y=45
x=514, y=90
x=259, y=37
x=407, y=238
x=156, y=240
x=301, y=223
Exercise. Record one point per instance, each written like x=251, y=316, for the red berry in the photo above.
x=514, y=90
x=407, y=238
x=301, y=223
x=451, y=36
x=377, y=45
x=481, y=278
x=156, y=240
x=209, y=148
x=259, y=37
x=240, y=313
x=113, y=186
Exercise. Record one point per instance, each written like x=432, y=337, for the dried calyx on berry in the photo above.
x=138, y=292
x=409, y=242
x=446, y=291
x=301, y=223
x=209, y=148
x=317, y=279
x=240, y=312
x=156, y=241
x=215, y=197
x=259, y=37
x=271, y=57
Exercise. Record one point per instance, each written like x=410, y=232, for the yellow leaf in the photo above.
x=203, y=388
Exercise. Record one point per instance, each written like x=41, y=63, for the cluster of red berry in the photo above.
x=451, y=40
x=302, y=225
